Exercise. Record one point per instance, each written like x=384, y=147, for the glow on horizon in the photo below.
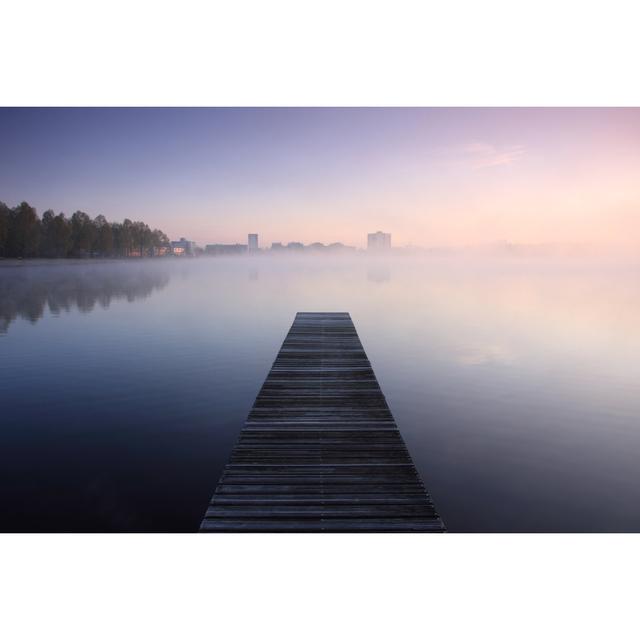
x=430, y=177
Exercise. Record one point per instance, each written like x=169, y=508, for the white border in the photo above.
x=319, y=586
x=334, y=52
x=319, y=53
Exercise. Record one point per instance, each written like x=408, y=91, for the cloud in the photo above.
x=485, y=155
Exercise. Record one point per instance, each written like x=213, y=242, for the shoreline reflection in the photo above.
x=27, y=291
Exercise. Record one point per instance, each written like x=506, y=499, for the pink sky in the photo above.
x=430, y=177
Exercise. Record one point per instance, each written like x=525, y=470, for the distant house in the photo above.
x=183, y=247
x=252, y=240
x=225, y=249
x=339, y=247
x=164, y=250
x=314, y=247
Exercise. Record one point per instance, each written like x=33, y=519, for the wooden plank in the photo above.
x=320, y=450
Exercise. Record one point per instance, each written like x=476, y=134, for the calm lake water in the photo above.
x=123, y=385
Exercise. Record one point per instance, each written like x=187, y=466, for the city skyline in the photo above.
x=433, y=177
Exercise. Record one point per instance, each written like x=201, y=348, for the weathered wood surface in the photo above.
x=320, y=450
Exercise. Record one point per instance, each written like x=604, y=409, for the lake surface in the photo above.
x=124, y=385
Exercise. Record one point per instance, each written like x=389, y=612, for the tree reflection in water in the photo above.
x=26, y=290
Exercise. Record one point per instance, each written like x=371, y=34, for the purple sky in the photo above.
x=428, y=176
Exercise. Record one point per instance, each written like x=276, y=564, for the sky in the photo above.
x=430, y=177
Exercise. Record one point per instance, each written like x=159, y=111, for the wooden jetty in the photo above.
x=320, y=450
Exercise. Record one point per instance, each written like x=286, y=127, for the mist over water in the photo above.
x=515, y=383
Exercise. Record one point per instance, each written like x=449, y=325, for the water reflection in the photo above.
x=26, y=291
x=484, y=354
x=516, y=386
x=379, y=274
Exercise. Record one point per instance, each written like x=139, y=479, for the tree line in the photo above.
x=23, y=234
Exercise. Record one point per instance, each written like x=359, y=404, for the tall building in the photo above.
x=253, y=242
x=378, y=241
